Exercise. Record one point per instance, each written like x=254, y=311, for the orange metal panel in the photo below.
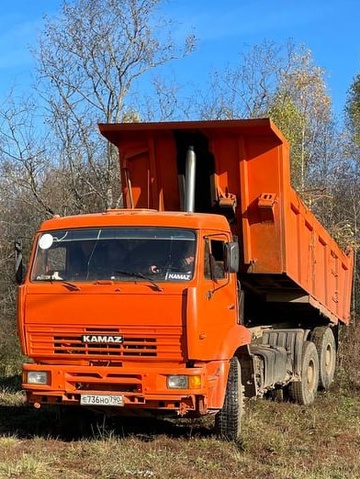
x=247, y=160
x=315, y=261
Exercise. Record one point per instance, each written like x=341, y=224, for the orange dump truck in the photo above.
x=214, y=284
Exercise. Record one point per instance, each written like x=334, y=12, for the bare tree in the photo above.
x=280, y=81
x=247, y=90
x=88, y=60
x=23, y=155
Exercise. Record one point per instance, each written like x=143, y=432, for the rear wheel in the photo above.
x=324, y=341
x=304, y=391
x=228, y=419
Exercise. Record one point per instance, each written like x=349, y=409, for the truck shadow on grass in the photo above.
x=76, y=423
x=73, y=424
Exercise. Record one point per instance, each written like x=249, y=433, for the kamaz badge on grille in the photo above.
x=101, y=339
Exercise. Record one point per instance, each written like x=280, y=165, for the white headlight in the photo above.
x=177, y=382
x=37, y=377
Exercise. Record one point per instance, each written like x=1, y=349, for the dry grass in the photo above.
x=280, y=440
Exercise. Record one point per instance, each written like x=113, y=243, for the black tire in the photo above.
x=304, y=391
x=324, y=341
x=228, y=419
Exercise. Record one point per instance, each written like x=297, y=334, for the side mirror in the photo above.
x=19, y=267
x=232, y=257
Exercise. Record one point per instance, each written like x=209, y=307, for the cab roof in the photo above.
x=138, y=217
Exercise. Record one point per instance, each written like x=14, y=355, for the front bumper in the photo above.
x=141, y=389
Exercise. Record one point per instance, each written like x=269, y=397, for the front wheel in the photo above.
x=304, y=391
x=228, y=419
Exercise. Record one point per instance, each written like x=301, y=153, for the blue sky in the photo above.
x=329, y=28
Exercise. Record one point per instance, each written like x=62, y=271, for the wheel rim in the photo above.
x=328, y=359
x=310, y=375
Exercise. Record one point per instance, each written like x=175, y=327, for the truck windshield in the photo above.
x=118, y=254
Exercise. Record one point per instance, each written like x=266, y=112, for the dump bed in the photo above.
x=243, y=172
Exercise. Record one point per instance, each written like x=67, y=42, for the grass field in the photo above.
x=280, y=440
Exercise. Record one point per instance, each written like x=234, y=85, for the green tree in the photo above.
x=350, y=193
x=352, y=110
x=301, y=107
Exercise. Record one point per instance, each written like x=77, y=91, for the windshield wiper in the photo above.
x=142, y=276
x=71, y=286
x=67, y=284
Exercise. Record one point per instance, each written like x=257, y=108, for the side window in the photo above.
x=214, y=259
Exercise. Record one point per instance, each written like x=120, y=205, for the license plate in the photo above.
x=101, y=400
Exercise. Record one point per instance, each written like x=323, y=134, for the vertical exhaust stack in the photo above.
x=190, y=173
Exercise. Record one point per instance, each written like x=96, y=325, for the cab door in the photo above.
x=213, y=329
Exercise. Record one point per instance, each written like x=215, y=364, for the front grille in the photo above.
x=129, y=347
x=162, y=343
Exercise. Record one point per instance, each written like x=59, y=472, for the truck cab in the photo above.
x=135, y=306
